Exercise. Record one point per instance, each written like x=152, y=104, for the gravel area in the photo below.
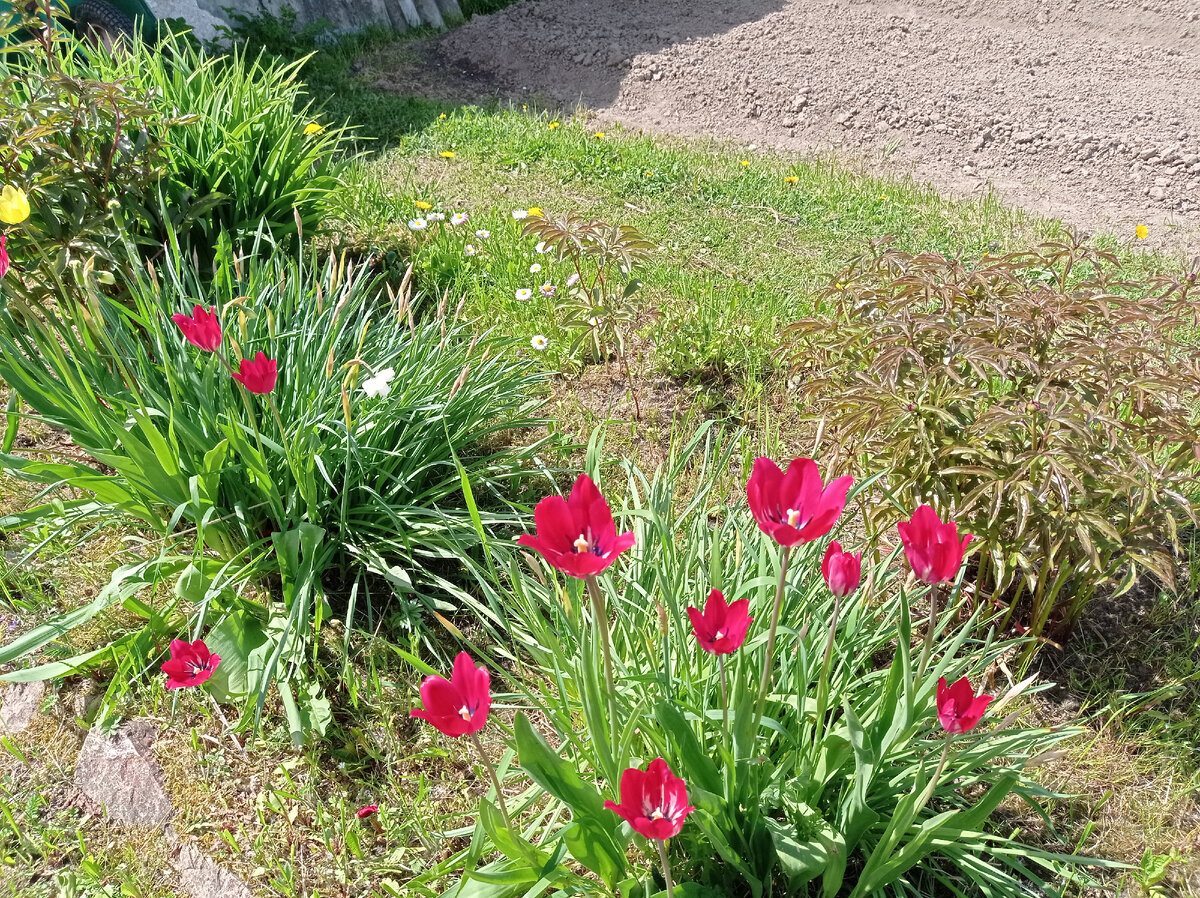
x=1083, y=109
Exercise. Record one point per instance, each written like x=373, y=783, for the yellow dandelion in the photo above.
x=552, y=125
x=745, y=163
x=649, y=174
x=1142, y=231
x=599, y=135
x=534, y=210
x=791, y=179
x=313, y=128
x=14, y=205
x=442, y=117
x=447, y=154
x=422, y=205
x=883, y=196
x=524, y=107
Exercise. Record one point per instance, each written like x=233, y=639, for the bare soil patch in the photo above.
x=1082, y=109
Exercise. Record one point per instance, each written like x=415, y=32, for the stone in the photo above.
x=119, y=773
x=19, y=703
x=202, y=877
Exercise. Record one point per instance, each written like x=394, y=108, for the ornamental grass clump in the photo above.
x=784, y=740
x=1046, y=403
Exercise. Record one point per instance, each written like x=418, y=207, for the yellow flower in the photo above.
x=524, y=107
x=599, y=135
x=883, y=196
x=447, y=154
x=14, y=205
x=649, y=174
x=791, y=179
x=534, y=210
x=745, y=163
x=1142, y=231
x=552, y=125
x=313, y=128
x=422, y=205
x=442, y=117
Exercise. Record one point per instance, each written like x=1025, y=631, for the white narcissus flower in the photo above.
x=417, y=224
x=539, y=343
x=379, y=384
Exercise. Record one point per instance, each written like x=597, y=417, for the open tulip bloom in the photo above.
x=458, y=706
x=796, y=507
x=191, y=664
x=201, y=328
x=932, y=547
x=257, y=376
x=959, y=708
x=721, y=627
x=654, y=803
x=577, y=535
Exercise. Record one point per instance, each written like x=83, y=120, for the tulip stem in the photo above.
x=228, y=729
x=937, y=775
x=724, y=697
x=666, y=866
x=766, y=678
x=487, y=765
x=826, y=664
x=597, y=597
x=927, y=647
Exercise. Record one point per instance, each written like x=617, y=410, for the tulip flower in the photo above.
x=653, y=801
x=190, y=665
x=14, y=205
x=3, y=256
x=366, y=811
x=458, y=706
x=257, y=376
x=796, y=507
x=201, y=328
x=721, y=628
x=577, y=535
x=842, y=570
x=959, y=709
x=932, y=547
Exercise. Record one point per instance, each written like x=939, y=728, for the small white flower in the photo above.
x=542, y=247
x=458, y=218
x=573, y=280
x=437, y=216
x=535, y=268
x=594, y=321
x=379, y=384
x=518, y=214
x=523, y=294
x=539, y=343
x=483, y=234
x=546, y=290
x=469, y=250
x=417, y=224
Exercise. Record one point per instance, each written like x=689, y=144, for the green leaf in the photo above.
x=242, y=642
x=591, y=843
x=698, y=765
x=554, y=774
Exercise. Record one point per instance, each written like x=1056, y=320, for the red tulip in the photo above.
x=201, y=329
x=933, y=548
x=458, y=706
x=959, y=709
x=577, y=535
x=795, y=507
x=366, y=811
x=3, y=256
x=842, y=570
x=190, y=665
x=257, y=376
x=654, y=801
x=721, y=628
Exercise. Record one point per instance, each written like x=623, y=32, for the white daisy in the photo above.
x=523, y=294
x=483, y=234
x=417, y=224
x=546, y=290
x=469, y=250
x=535, y=268
x=573, y=280
x=379, y=384
x=518, y=214
x=539, y=343
x=437, y=216
x=458, y=218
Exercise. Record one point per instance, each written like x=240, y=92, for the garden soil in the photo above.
x=1088, y=110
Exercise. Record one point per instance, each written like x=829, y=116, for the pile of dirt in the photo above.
x=1083, y=109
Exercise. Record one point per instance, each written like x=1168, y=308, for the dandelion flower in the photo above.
x=417, y=224
x=469, y=250
x=524, y=108
x=1142, y=232
x=535, y=268
x=422, y=205
x=523, y=294
x=447, y=154
x=552, y=125
x=547, y=290
x=648, y=173
x=436, y=216
x=458, y=218
x=599, y=135
x=534, y=210
x=518, y=214
x=791, y=179
x=379, y=384
x=442, y=117
x=745, y=163
x=539, y=343
x=483, y=234
x=573, y=280
x=313, y=128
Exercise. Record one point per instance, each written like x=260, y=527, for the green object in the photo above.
x=102, y=20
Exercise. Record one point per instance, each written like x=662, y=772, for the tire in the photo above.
x=102, y=23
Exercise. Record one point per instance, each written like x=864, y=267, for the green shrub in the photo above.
x=1046, y=404
x=323, y=492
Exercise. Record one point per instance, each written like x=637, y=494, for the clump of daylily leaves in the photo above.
x=577, y=537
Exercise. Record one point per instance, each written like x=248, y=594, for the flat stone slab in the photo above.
x=19, y=703
x=119, y=772
x=202, y=877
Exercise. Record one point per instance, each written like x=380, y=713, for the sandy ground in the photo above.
x=1084, y=109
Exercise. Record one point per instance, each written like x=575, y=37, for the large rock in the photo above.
x=202, y=877
x=119, y=772
x=19, y=703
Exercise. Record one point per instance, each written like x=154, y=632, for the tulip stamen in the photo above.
x=793, y=517
x=465, y=713
x=582, y=545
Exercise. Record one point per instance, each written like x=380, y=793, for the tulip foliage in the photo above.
x=858, y=772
